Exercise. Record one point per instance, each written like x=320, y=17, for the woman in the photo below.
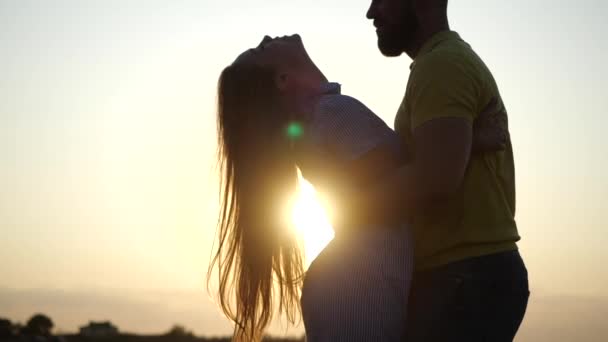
x=356, y=290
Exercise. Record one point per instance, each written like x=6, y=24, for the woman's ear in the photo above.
x=282, y=81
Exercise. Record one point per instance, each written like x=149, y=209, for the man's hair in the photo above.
x=442, y=4
x=434, y=4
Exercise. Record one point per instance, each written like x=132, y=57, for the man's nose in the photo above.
x=371, y=11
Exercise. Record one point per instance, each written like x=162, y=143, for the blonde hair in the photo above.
x=258, y=257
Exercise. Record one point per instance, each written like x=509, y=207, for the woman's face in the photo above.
x=285, y=52
x=287, y=57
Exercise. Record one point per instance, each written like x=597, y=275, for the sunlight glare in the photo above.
x=311, y=220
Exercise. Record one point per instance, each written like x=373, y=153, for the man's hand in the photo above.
x=491, y=129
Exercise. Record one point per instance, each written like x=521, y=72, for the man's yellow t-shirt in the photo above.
x=448, y=79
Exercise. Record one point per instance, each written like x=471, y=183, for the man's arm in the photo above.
x=442, y=151
x=443, y=147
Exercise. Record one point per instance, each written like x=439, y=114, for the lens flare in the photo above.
x=294, y=130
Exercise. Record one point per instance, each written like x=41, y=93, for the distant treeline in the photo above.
x=39, y=329
x=165, y=338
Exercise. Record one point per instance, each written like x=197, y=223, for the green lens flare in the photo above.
x=294, y=130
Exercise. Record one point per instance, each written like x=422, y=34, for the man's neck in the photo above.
x=424, y=35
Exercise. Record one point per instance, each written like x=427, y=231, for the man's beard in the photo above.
x=391, y=44
x=393, y=41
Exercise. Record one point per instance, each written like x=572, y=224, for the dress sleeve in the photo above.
x=347, y=129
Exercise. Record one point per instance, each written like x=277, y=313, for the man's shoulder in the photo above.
x=445, y=57
x=455, y=61
x=439, y=60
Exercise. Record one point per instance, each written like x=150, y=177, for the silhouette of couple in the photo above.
x=425, y=244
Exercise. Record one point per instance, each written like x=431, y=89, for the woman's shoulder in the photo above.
x=338, y=103
x=347, y=128
x=342, y=111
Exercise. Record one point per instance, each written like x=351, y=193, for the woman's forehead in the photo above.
x=265, y=52
x=248, y=56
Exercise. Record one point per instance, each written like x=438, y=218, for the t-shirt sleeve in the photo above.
x=347, y=129
x=442, y=86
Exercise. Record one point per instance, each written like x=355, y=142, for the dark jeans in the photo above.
x=474, y=300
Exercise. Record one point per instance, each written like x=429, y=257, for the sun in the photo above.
x=311, y=220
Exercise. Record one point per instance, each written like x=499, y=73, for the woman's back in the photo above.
x=357, y=288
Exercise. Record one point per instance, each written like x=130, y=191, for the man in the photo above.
x=470, y=282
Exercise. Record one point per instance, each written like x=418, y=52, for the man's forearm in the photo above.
x=395, y=198
x=398, y=196
x=442, y=150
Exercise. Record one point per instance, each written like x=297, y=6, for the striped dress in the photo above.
x=357, y=288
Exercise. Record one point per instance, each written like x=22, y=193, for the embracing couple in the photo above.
x=425, y=244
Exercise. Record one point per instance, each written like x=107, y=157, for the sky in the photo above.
x=107, y=144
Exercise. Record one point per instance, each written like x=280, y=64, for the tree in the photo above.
x=179, y=331
x=7, y=329
x=39, y=325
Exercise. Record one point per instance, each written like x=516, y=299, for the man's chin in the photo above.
x=389, y=50
x=389, y=44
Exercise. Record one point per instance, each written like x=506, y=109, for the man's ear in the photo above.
x=282, y=81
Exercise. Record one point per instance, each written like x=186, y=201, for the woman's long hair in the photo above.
x=258, y=257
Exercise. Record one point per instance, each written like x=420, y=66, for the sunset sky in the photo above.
x=107, y=143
